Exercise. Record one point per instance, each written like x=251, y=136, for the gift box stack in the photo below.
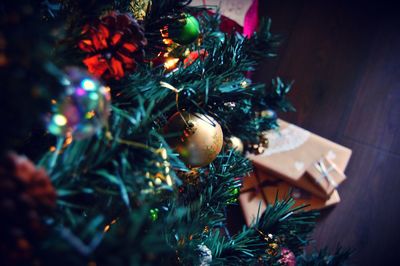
x=299, y=164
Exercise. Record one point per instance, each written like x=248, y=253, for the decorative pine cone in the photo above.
x=114, y=44
x=26, y=194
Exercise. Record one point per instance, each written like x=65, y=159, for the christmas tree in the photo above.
x=138, y=115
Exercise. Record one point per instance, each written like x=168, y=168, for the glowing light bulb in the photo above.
x=60, y=120
x=171, y=63
x=88, y=84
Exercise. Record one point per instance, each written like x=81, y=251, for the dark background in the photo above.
x=344, y=57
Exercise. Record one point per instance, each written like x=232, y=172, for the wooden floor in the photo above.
x=345, y=59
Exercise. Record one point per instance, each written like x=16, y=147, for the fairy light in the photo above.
x=168, y=41
x=164, y=154
x=106, y=228
x=90, y=114
x=164, y=32
x=171, y=63
x=93, y=96
x=68, y=140
x=107, y=89
x=158, y=181
x=60, y=120
x=88, y=84
x=168, y=179
x=244, y=84
x=187, y=52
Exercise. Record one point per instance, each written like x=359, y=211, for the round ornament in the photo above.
x=196, y=137
x=236, y=143
x=185, y=30
x=84, y=107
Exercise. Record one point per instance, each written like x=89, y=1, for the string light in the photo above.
x=60, y=120
x=108, y=226
x=88, y=84
x=171, y=63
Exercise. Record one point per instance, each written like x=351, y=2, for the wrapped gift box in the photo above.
x=326, y=175
x=260, y=190
x=293, y=150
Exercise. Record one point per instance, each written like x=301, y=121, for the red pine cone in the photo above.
x=114, y=44
x=26, y=194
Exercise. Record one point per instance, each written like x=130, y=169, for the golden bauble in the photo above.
x=236, y=143
x=196, y=137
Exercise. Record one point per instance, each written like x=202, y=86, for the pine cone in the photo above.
x=26, y=194
x=114, y=44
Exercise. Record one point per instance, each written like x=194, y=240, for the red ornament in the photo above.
x=114, y=44
x=193, y=56
x=287, y=257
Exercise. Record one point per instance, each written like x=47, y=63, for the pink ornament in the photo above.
x=287, y=257
x=251, y=20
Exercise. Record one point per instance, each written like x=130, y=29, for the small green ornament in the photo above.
x=185, y=30
x=154, y=214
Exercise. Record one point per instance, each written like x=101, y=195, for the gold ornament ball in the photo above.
x=236, y=143
x=196, y=137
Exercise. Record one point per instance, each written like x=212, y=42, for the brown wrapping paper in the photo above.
x=326, y=175
x=255, y=199
x=292, y=150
